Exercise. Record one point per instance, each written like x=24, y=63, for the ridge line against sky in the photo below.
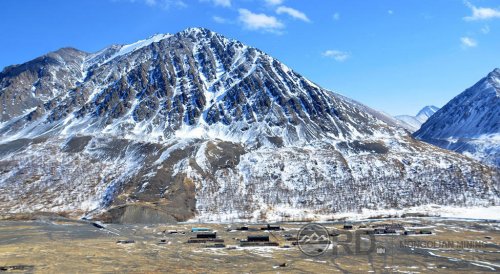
x=394, y=56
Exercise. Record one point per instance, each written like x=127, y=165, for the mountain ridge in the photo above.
x=211, y=113
x=200, y=126
x=413, y=123
x=469, y=123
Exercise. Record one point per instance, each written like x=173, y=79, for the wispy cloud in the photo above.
x=164, y=4
x=219, y=19
x=336, y=16
x=274, y=2
x=485, y=29
x=260, y=21
x=468, y=42
x=390, y=12
x=339, y=56
x=293, y=13
x=481, y=13
x=222, y=3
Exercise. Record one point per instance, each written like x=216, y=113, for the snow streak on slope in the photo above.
x=126, y=49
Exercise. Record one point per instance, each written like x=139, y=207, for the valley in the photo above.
x=49, y=244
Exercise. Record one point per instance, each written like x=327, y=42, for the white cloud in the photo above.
x=468, y=42
x=480, y=13
x=260, y=21
x=274, y=2
x=293, y=13
x=219, y=19
x=338, y=55
x=485, y=29
x=336, y=16
x=390, y=12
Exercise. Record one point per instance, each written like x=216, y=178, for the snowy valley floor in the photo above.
x=285, y=214
x=49, y=245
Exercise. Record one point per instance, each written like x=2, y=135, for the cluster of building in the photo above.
x=209, y=237
x=272, y=236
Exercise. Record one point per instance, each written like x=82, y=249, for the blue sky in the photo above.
x=393, y=55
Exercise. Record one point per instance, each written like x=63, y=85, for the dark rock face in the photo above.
x=195, y=125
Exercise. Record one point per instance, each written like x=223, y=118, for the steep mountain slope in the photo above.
x=470, y=122
x=413, y=123
x=204, y=85
x=30, y=85
x=195, y=124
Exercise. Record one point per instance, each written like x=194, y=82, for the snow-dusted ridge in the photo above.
x=470, y=122
x=413, y=123
x=126, y=49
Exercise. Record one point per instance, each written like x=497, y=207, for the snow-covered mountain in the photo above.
x=195, y=125
x=470, y=122
x=413, y=123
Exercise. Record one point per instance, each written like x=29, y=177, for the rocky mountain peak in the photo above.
x=197, y=83
x=197, y=124
x=495, y=73
x=427, y=112
x=494, y=80
x=196, y=31
x=413, y=123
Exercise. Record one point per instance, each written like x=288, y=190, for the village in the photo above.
x=277, y=236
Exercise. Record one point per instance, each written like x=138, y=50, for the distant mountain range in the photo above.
x=470, y=122
x=413, y=123
x=195, y=125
